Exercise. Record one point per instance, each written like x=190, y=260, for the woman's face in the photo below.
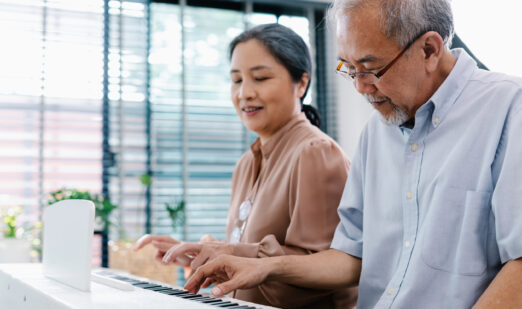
x=262, y=90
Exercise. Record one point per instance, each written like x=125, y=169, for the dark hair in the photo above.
x=289, y=49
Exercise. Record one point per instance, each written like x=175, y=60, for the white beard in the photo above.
x=396, y=118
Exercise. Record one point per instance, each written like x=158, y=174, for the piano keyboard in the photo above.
x=25, y=286
x=163, y=289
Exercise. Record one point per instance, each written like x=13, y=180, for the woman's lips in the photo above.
x=251, y=110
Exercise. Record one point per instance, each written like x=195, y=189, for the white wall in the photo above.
x=353, y=111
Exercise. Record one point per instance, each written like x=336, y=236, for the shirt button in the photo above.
x=409, y=195
x=436, y=121
x=391, y=291
x=414, y=147
x=407, y=244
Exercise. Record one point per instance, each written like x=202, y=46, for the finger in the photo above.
x=200, y=275
x=147, y=238
x=207, y=283
x=226, y=287
x=187, y=272
x=159, y=257
x=183, y=261
x=162, y=245
x=199, y=260
x=207, y=237
x=181, y=249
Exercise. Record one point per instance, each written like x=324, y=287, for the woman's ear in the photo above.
x=433, y=49
x=302, y=85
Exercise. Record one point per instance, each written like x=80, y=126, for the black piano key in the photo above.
x=121, y=278
x=224, y=304
x=219, y=303
x=189, y=296
x=201, y=298
x=160, y=288
x=172, y=292
x=212, y=300
x=150, y=286
x=166, y=291
x=143, y=283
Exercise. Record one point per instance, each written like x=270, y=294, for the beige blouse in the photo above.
x=294, y=208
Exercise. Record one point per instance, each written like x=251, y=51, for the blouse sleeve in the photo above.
x=315, y=187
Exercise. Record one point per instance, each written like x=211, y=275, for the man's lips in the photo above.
x=378, y=102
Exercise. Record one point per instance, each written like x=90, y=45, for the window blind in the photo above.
x=50, y=86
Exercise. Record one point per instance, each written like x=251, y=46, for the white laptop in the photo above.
x=67, y=242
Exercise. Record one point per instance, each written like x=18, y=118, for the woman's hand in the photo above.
x=162, y=244
x=229, y=273
x=202, y=251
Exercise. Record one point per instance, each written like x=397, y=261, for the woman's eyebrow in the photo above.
x=256, y=68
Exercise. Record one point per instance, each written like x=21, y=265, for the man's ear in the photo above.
x=433, y=48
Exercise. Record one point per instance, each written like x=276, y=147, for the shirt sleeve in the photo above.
x=316, y=184
x=507, y=195
x=349, y=231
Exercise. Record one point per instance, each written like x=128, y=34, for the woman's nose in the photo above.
x=246, y=91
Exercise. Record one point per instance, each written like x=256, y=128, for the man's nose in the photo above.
x=362, y=87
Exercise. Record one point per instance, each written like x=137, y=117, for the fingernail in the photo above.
x=216, y=291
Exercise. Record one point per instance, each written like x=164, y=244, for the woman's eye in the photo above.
x=236, y=81
x=260, y=79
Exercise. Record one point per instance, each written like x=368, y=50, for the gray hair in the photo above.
x=404, y=20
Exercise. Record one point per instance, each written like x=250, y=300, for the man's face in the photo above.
x=364, y=48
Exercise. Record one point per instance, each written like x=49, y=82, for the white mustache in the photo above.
x=372, y=99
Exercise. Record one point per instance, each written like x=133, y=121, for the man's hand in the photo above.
x=330, y=269
x=229, y=273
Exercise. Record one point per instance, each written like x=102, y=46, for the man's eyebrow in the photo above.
x=364, y=59
x=256, y=68
x=367, y=59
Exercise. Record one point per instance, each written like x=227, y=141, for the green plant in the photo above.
x=103, y=206
x=10, y=220
x=176, y=211
x=176, y=214
x=146, y=180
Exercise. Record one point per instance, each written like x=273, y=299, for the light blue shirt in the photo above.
x=435, y=211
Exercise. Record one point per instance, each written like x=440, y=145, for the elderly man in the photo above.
x=431, y=216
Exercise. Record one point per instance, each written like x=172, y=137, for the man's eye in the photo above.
x=236, y=81
x=260, y=79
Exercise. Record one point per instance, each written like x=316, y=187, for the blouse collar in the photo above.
x=265, y=150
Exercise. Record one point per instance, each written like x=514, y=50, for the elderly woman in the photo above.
x=286, y=188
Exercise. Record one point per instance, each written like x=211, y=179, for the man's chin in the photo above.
x=395, y=117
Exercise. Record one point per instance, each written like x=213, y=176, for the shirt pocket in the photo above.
x=455, y=231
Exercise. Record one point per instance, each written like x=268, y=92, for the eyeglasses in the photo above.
x=240, y=223
x=370, y=77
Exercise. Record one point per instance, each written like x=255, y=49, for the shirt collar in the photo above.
x=448, y=92
x=268, y=147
